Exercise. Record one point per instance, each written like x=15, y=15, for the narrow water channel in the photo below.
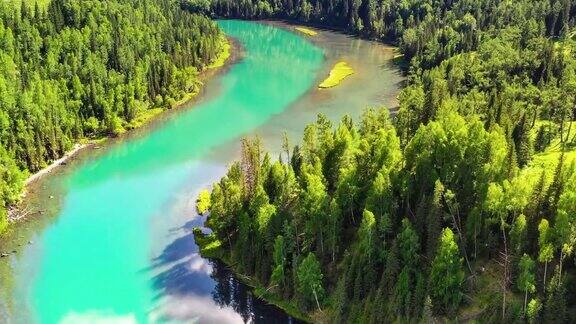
x=114, y=241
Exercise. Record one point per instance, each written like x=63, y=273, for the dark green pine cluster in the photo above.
x=356, y=227
x=75, y=69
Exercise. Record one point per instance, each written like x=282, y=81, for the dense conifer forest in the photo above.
x=461, y=205
x=74, y=69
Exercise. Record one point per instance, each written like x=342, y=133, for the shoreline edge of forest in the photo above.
x=227, y=57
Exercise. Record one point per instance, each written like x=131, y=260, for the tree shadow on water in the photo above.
x=183, y=279
x=179, y=249
x=182, y=272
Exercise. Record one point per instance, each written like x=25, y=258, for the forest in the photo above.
x=73, y=70
x=461, y=204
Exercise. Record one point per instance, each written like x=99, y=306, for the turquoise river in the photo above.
x=109, y=238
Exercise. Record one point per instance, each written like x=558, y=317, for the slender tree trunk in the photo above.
x=333, y=241
x=569, y=130
x=562, y=128
x=561, y=260
x=321, y=242
x=475, y=242
x=297, y=242
x=525, y=300
x=352, y=214
x=505, y=279
x=545, y=268
x=316, y=297
x=230, y=245
x=462, y=243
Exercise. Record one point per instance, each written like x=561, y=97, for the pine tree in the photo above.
x=409, y=247
x=555, y=310
x=523, y=145
x=278, y=274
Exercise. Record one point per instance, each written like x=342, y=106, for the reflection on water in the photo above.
x=191, y=287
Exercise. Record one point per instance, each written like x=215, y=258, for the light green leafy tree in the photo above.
x=526, y=281
x=310, y=279
x=533, y=312
x=546, y=247
x=203, y=202
x=446, y=276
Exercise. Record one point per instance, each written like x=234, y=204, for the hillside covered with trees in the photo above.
x=79, y=69
x=461, y=205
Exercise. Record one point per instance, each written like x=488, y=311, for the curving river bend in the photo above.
x=114, y=241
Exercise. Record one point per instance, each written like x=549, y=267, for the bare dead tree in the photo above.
x=504, y=262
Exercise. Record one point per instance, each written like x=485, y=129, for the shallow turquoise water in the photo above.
x=119, y=248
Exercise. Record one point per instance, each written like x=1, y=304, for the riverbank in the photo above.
x=61, y=161
x=227, y=56
x=210, y=247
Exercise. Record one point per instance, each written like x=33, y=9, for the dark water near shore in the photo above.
x=115, y=242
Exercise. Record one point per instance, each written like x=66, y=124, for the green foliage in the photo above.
x=310, y=277
x=343, y=198
x=446, y=275
x=518, y=234
x=11, y=180
x=203, y=202
x=526, y=281
x=459, y=153
x=11, y=185
x=533, y=312
x=555, y=310
x=278, y=274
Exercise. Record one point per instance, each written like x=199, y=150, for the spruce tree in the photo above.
x=555, y=310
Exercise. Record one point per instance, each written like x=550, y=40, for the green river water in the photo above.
x=114, y=243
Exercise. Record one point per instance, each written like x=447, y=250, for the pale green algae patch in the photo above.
x=306, y=31
x=338, y=73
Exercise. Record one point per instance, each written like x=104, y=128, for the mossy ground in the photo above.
x=547, y=160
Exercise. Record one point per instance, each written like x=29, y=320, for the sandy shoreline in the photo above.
x=60, y=162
